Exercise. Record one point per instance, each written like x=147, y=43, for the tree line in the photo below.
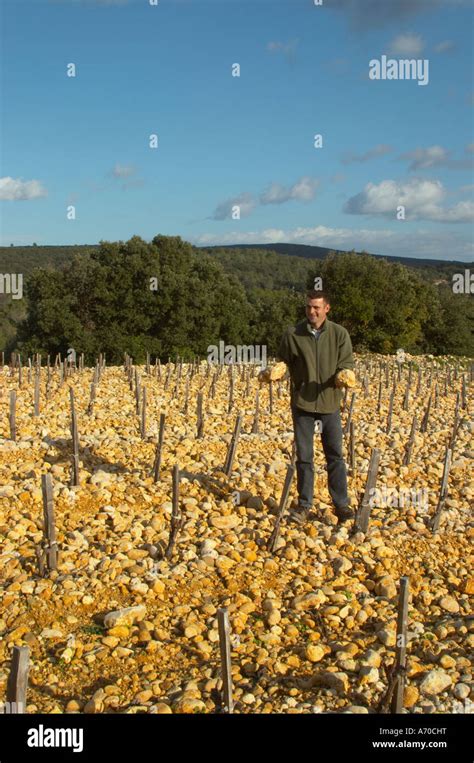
x=169, y=298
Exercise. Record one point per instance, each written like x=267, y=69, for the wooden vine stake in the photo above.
x=231, y=394
x=410, y=443
x=463, y=393
x=454, y=431
x=13, y=414
x=186, y=398
x=17, y=683
x=233, y=446
x=366, y=385
x=424, y=423
x=379, y=399
x=159, y=449
x=257, y=409
x=200, y=416
x=352, y=448
x=443, y=490
x=349, y=417
x=143, y=416
x=290, y=473
x=176, y=519
x=226, y=666
x=418, y=385
x=37, y=392
x=50, y=545
x=293, y=454
x=363, y=514
x=390, y=412
x=90, y=407
x=75, y=441
x=137, y=392
x=400, y=647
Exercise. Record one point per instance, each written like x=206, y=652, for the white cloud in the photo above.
x=436, y=156
x=422, y=158
x=421, y=199
x=426, y=244
x=245, y=201
x=379, y=150
x=20, y=190
x=444, y=47
x=407, y=44
x=303, y=190
x=462, y=212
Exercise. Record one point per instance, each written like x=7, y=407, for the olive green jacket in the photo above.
x=313, y=364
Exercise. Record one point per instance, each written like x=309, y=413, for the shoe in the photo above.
x=300, y=514
x=344, y=514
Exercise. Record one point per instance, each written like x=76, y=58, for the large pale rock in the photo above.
x=125, y=616
x=386, y=587
x=225, y=523
x=101, y=477
x=308, y=601
x=435, y=682
x=449, y=604
x=189, y=704
x=368, y=675
x=340, y=564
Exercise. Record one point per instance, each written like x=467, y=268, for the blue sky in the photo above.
x=247, y=142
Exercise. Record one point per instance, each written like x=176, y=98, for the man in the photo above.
x=315, y=350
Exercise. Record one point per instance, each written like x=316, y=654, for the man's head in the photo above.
x=317, y=307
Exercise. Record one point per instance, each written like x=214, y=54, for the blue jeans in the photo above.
x=331, y=438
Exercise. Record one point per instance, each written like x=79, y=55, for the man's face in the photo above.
x=316, y=311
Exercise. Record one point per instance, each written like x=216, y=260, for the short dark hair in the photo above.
x=314, y=294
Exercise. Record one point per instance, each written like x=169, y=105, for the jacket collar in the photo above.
x=323, y=327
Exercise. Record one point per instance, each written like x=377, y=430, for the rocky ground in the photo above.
x=313, y=624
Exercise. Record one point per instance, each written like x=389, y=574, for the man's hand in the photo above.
x=345, y=378
x=274, y=373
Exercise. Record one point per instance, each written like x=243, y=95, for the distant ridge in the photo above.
x=320, y=252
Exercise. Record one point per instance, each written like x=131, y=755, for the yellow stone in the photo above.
x=110, y=641
x=73, y=706
x=411, y=696
x=468, y=586
x=415, y=668
x=143, y=696
x=121, y=631
x=163, y=709
x=447, y=662
x=314, y=652
x=190, y=705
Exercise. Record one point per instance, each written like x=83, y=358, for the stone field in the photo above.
x=119, y=628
